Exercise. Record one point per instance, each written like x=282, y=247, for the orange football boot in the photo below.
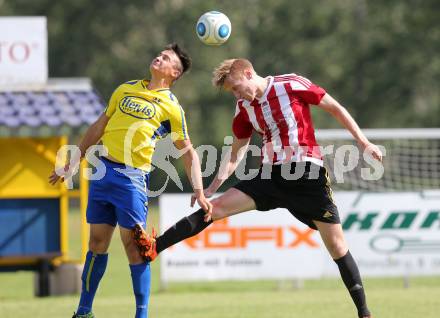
x=145, y=242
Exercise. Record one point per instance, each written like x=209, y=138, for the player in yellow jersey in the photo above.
x=139, y=113
x=137, y=117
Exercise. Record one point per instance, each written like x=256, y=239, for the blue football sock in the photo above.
x=140, y=276
x=93, y=271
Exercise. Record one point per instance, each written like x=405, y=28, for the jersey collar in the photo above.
x=269, y=85
x=145, y=85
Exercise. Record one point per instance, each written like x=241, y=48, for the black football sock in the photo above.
x=186, y=227
x=352, y=280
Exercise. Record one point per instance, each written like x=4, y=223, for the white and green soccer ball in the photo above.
x=213, y=28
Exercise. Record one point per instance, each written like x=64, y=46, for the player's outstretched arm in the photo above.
x=229, y=163
x=92, y=136
x=191, y=163
x=332, y=106
x=227, y=166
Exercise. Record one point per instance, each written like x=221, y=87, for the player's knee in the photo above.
x=132, y=251
x=128, y=242
x=218, y=210
x=97, y=244
x=337, y=248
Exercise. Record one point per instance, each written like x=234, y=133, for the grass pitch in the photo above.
x=259, y=299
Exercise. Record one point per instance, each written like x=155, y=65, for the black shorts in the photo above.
x=306, y=193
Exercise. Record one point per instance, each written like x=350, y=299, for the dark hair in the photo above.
x=184, y=58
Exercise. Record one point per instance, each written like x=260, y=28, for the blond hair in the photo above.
x=228, y=67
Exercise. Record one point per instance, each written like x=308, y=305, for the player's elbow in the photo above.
x=184, y=146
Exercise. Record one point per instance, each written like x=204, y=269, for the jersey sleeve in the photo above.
x=306, y=90
x=241, y=126
x=111, y=106
x=179, y=129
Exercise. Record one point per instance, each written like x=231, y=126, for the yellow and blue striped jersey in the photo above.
x=138, y=117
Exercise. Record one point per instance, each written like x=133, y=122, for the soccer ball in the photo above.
x=213, y=28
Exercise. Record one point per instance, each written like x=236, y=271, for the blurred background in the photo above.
x=380, y=59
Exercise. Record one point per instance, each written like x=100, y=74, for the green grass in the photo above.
x=258, y=299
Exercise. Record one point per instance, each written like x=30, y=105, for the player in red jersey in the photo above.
x=278, y=108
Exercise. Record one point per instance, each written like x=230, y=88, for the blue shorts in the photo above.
x=120, y=197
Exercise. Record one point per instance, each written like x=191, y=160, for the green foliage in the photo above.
x=371, y=55
x=378, y=58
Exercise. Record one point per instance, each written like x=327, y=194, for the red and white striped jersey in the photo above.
x=282, y=117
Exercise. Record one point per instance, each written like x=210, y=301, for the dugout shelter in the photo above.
x=34, y=124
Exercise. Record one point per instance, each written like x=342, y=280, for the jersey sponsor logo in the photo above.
x=137, y=107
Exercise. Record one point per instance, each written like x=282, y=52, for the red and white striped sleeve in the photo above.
x=241, y=125
x=306, y=90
